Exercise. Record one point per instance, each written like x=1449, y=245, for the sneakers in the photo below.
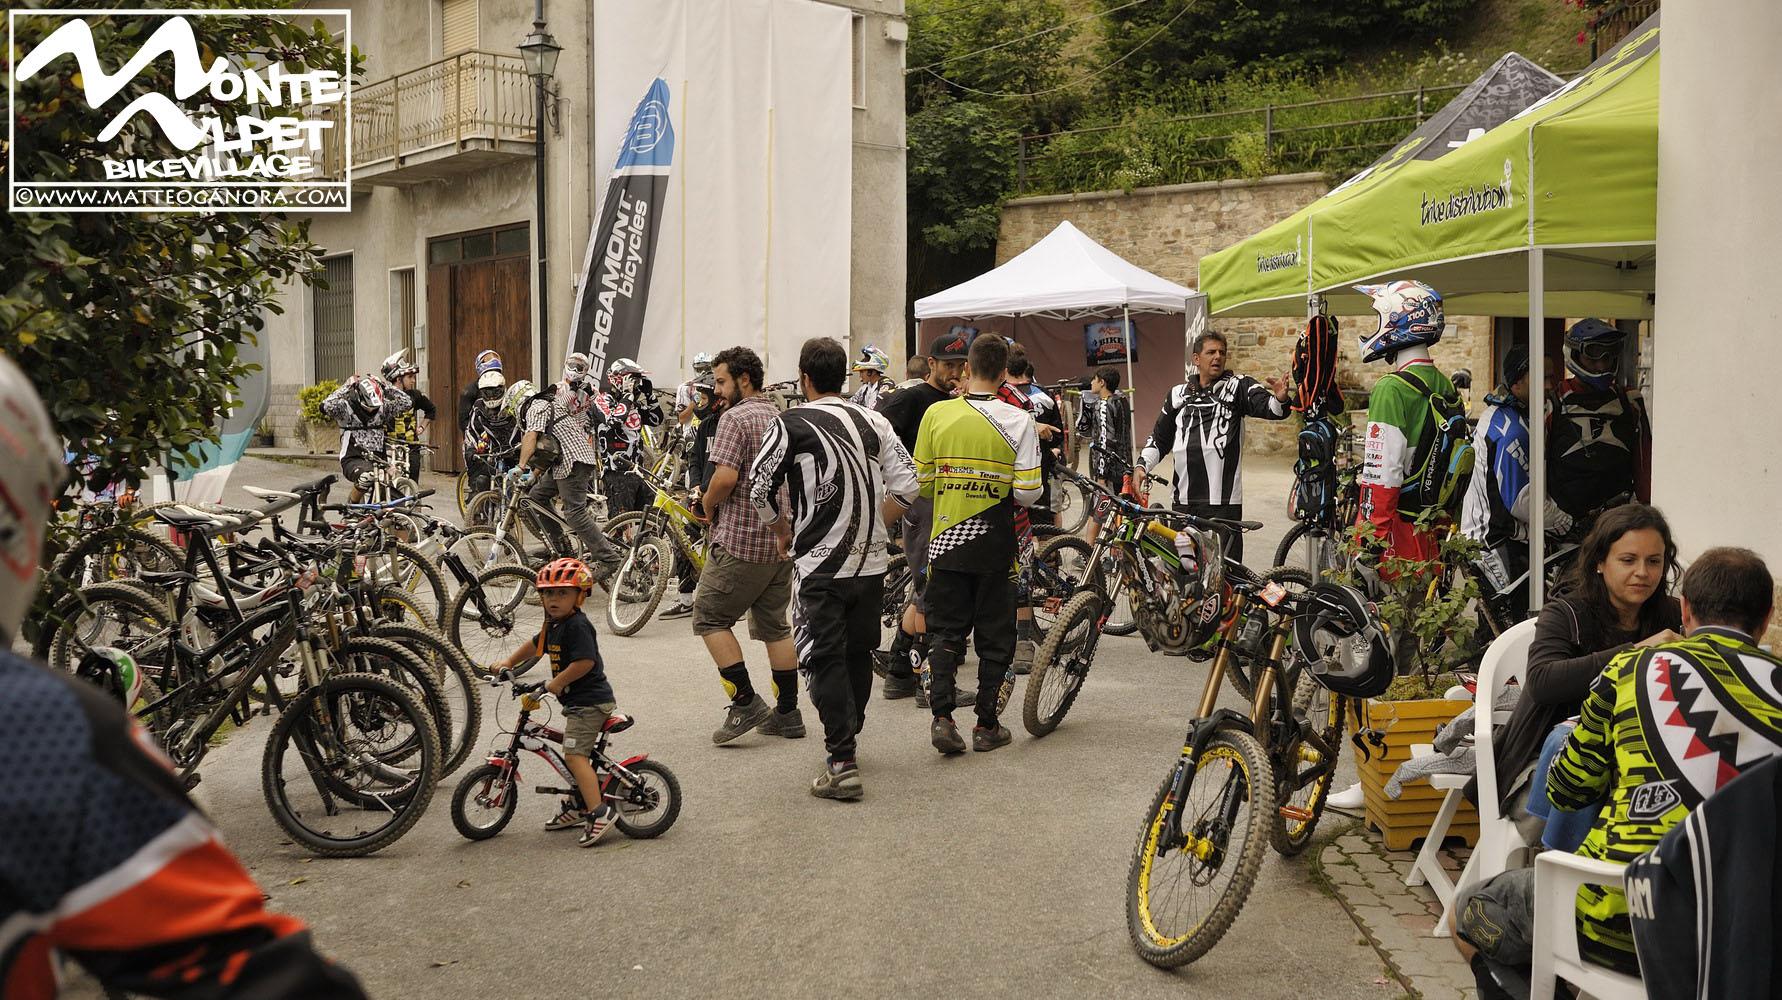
x=599, y=822
x=1024, y=656
x=569, y=818
x=739, y=719
x=681, y=608
x=788, y=724
x=840, y=780
x=945, y=736
x=1349, y=799
x=985, y=740
x=895, y=688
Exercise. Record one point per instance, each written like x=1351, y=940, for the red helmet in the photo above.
x=566, y=573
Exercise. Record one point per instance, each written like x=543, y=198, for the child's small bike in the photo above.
x=644, y=791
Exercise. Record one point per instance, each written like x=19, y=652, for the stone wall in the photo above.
x=1166, y=230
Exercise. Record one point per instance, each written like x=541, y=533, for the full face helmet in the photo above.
x=702, y=363
x=1203, y=600
x=1593, y=352
x=1343, y=642
x=625, y=374
x=575, y=370
x=31, y=476
x=491, y=389
x=872, y=360
x=367, y=395
x=517, y=394
x=487, y=361
x=397, y=366
x=1410, y=314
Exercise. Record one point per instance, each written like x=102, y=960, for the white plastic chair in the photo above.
x=1557, y=878
x=1500, y=840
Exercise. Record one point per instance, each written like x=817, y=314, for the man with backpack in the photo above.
x=1202, y=426
x=1599, y=450
x=1418, y=451
x=557, y=452
x=1495, y=511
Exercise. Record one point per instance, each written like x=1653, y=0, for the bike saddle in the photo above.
x=618, y=722
x=166, y=578
x=265, y=494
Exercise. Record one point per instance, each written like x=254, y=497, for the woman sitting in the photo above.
x=1617, y=597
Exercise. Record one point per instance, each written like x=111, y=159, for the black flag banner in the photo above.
x=615, y=289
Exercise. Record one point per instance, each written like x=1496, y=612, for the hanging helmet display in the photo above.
x=1343, y=642
x=872, y=360
x=31, y=476
x=702, y=362
x=1593, y=352
x=1410, y=314
x=398, y=366
x=487, y=361
x=517, y=394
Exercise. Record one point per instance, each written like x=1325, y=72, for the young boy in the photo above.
x=1103, y=424
x=578, y=681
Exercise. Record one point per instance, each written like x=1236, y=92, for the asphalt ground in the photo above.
x=999, y=874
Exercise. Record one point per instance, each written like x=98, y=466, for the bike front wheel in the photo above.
x=484, y=802
x=638, y=585
x=494, y=614
x=1062, y=663
x=324, y=775
x=1192, y=872
x=1309, y=547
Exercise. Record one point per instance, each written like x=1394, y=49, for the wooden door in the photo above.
x=473, y=306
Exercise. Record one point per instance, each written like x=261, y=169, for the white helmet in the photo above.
x=517, y=395
x=491, y=388
x=31, y=475
x=575, y=369
x=702, y=362
x=398, y=366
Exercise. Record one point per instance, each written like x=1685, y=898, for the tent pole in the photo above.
x=1537, y=427
x=1131, y=388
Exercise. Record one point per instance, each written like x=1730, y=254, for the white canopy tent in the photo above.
x=1068, y=276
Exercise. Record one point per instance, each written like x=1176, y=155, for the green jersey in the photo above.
x=976, y=458
x=1662, y=729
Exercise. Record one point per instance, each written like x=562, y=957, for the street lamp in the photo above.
x=540, y=52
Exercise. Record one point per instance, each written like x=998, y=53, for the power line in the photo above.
x=929, y=67
x=1083, y=79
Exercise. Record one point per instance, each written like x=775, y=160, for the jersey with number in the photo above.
x=977, y=458
x=838, y=461
x=1662, y=729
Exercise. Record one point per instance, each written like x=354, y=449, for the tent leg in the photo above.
x=1132, y=390
x=1537, y=428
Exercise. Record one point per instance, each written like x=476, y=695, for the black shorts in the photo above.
x=354, y=466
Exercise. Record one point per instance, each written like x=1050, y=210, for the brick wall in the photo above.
x=1166, y=230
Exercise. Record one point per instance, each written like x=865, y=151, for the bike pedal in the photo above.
x=548, y=790
x=1296, y=814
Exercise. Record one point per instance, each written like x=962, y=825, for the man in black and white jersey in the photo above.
x=848, y=477
x=1202, y=426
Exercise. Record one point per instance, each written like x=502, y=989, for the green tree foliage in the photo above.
x=130, y=323
x=1217, y=37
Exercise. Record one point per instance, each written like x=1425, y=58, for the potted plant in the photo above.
x=1439, y=622
x=320, y=434
x=263, y=433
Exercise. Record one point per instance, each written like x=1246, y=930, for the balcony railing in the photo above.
x=471, y=97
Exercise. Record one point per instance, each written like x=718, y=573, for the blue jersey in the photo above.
x=1496, y=507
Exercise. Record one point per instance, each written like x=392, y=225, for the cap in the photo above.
x=949, y=347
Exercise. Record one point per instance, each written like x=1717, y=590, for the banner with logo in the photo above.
x=621, y=254
x=752, y=244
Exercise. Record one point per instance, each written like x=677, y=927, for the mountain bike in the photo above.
x=645, y=792
x=1241, y=783
x=512, y=515
x=650, y=538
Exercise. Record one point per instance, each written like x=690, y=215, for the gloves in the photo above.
x=531, y=702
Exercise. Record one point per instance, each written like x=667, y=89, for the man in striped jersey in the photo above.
x=849, y=478
x=1202, y=425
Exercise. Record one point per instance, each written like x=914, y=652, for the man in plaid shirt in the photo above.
x=570, y=420
x=747, y=570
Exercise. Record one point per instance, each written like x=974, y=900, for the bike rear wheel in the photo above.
x=648, y=802
x=1071, y=503
x=1062, y=663
x=1066, y=562
x=1313, y=548
x=480, y=550
x=1182, y=897
x=638, y=585
x=322, y=773
x=1300, y=802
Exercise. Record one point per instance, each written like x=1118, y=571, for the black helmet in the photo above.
x=1364, y=668
x=1515, y=364
x=1593, y=352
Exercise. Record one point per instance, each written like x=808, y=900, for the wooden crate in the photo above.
x=1404, y=821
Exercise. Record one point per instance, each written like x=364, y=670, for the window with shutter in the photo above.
x=460, y=29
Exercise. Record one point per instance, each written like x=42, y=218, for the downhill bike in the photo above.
x=651, y=539
x=644, y=791
x=1242, y=782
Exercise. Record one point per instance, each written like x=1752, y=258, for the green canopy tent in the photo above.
x=1553, y=211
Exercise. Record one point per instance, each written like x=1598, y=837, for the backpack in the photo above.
x=546, y=452
x=1440, y=477
x=1314, y=366
x=1314, y=474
